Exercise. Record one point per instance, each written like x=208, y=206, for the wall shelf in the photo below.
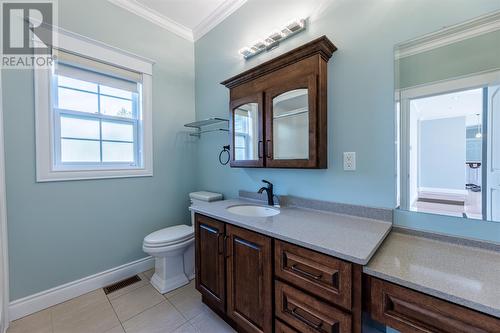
x=200, y=126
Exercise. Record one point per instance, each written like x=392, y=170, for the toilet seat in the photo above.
x=169, y=236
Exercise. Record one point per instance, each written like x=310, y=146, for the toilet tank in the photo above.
x=203, y=196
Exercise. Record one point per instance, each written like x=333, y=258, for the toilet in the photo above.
x=173, y=250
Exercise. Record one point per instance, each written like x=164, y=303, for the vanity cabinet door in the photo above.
x=210, y=263
x=292, y=121
x=246, y=128
x=249, y=280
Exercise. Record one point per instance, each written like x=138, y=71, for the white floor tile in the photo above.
x=39, y=322
x=186, y=328
x=209, y=322
x=117, y=329
x=190, y=285
x=84, y=317
x=161, y=318
x=188, y=302
x=136, y=301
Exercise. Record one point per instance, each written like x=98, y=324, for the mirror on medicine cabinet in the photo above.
x=291, y=125
x=448, y=115
x=278, y=110
x=246, y=116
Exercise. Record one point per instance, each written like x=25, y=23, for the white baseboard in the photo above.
x=452, y=194
x=42, y=300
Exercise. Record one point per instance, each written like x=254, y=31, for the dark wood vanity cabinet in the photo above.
x=249, y=280
x=210, y=261
x=234, y=274
x=315, y=292
x=410, y=311
x=278, y=110
x=262, y=285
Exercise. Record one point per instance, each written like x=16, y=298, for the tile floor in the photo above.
x=138, y=308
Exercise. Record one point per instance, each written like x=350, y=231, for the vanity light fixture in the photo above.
x=479, y=133
x=274, y=39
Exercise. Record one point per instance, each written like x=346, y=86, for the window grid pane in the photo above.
x=88, y=125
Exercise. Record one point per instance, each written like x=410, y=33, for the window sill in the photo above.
x=58, y=176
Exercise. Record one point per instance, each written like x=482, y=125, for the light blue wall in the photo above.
x=60, y=232
x=63, y=231
x=442, y=153
x=454, y=60
x=360, y=96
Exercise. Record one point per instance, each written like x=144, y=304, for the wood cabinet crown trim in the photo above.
x=322, y=46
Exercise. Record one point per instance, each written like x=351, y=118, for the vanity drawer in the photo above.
x=280, y=327
x=410, y=311
x=319, y=274
x=308, y=314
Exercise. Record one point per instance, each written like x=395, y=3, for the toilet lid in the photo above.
x=170, y=235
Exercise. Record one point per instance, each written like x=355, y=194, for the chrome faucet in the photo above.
x=269, y=192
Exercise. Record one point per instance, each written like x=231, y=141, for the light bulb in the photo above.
x=478, y=135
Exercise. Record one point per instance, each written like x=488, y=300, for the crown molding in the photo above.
x=155, y=17
x=208, y=23
x=217, y=16
x=469, y=29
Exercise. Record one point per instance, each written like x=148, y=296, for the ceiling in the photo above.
x=468, y=103
x=190, y=19
x=189, y=13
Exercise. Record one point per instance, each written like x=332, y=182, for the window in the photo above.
x=93, y=117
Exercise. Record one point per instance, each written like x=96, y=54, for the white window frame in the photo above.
x=46, y=170
x=404, y=96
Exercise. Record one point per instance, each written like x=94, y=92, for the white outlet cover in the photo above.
x=349, y=161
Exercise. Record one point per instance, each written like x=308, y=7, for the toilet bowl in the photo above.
x=173, y=250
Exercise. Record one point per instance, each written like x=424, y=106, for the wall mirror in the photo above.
x=246, y=135
x=448, y=115
x=291, y=125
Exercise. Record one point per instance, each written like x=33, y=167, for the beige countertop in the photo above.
x=461, y=274
x=346, y=237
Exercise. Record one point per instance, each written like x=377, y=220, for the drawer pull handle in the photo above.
x=306, y=321
x=310, y=275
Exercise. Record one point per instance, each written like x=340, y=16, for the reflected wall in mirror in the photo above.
x=246, y=138
x=448, y=116
x=291, y=125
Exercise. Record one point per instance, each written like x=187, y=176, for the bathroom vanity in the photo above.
x=299, y=271
x=306, y=270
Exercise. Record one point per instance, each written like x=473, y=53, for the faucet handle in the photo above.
x=267, y=182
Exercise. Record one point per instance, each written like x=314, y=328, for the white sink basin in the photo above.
x=253, y=210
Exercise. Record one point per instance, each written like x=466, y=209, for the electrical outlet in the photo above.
x=349, y=161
